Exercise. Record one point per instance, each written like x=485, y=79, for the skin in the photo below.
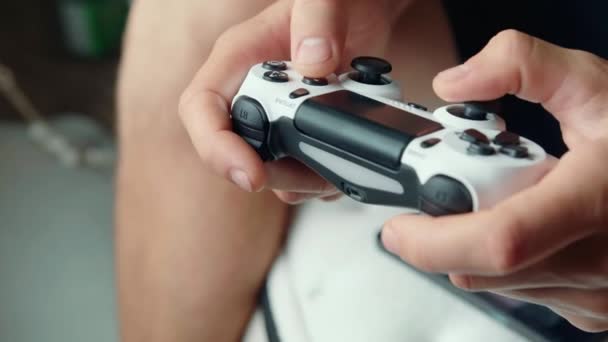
x=546, y=244
x=192, y=249
x=177, y=283
x=325, y=35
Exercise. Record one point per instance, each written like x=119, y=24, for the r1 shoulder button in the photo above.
x=275, y=65
x=298, y=93
x=276, y=76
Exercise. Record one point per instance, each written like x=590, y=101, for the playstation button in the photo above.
x=275, y=65
x=315, y=81
x=276, y=76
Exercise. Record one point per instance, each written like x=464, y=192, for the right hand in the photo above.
x=325, y=35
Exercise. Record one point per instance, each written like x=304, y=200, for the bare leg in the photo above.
x=192, y=249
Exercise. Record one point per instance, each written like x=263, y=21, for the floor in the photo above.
x=56, y=264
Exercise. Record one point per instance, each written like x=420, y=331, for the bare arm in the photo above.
x=192, y=249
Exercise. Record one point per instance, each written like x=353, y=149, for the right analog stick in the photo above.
x=475, y=111
x=370, y=70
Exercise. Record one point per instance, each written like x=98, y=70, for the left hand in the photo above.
x=547, y=244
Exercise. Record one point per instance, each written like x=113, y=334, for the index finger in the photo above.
x=204, y=106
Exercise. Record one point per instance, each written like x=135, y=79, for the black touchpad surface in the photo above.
x=363, y=126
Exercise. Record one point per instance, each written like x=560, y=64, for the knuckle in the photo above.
x=185, y=103
x=504, y=247
x=513, y=44
x=227, y=38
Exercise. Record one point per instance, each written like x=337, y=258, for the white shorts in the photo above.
x=333, y=283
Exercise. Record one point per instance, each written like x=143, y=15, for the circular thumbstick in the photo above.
x=371, y=69
x=475, y=111
x=471, y=111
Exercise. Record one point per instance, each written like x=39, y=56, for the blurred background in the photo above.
x=58, y=64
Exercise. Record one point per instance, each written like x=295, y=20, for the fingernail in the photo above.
x=390, y=239
x=454, y=74
x=240, y=178
x=313, y=51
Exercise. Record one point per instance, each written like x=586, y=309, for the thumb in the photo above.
x=570, y=84
x=565, y=206
x=318, y=32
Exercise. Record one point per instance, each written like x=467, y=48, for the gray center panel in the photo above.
x=289, y=140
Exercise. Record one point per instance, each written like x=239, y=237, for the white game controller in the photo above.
x=354, y=131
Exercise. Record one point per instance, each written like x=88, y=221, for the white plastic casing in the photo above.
x=320, y=290
x=489, y=179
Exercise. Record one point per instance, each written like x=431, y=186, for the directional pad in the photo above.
x=276, y=76
x=275, y=65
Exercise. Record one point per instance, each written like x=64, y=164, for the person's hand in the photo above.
x=320, y=36
x=547, y=244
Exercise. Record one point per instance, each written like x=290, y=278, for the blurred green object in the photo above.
x=92, y=28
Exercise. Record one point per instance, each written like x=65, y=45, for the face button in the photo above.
x=474, y=136
x=469, y=112
x=507, y=139
x=515, y=151
x=481, y=149
x=417, y=106
x=276, y=76
x=298, y=93
x=430, y=142
x=315, y=81
x=275, y=65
